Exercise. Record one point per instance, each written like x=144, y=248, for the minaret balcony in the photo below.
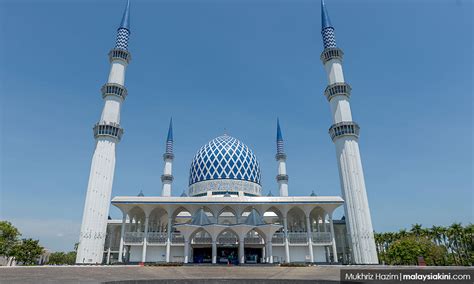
x=166, y=178
x=168, y=156
x=108, y=129
x=331, y=53
x=345, y=128
x=282, y=177
x=120, y=54
x=337, y=89
x=113, y=89
x=280, y=156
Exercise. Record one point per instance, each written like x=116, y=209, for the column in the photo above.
x=214, y=251
x=108, y=255
x=241, y=250
x=122, y=233
x=287, y=245
x=270, y=251
x=168, y=239
x=145, y=237
x=333, y=236
x=186, y=250
x=310, y=238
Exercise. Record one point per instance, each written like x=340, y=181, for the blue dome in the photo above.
x=225, y=158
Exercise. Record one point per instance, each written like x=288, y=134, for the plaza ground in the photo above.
x=179, y=274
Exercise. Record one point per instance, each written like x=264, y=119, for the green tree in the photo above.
x=9, y=236
x=27, y=251
x=407, y=250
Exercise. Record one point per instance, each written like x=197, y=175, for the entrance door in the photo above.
x=226, y=254
x=253, y=255
x=202, y=255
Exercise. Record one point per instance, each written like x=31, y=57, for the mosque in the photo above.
x=223, y=217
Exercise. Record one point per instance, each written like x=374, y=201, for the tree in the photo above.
x=8, y=238
x=407, y=250
x=27, y=251
x=62, y=258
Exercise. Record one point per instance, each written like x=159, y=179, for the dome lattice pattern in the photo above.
x=224, y=158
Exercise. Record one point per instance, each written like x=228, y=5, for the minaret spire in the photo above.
x=169, y=139
x=123, y=31
x=327, y=30
x=107, y=134
x=344, y=132
x=282, y=177
x=168, y=157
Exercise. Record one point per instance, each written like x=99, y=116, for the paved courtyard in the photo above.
x=184, y=274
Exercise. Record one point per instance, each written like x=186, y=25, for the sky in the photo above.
x=236, y=66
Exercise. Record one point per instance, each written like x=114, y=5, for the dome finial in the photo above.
x=170, y=131
x=125, y=24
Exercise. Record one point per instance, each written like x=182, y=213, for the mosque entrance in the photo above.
x=202, y=255
x=228, y=255
x=253, y=255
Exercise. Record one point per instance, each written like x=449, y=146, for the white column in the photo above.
x=270, y=251
x=108, y=256
x=186, y=250
x=168, y=239
x=167, y=177
x=310, y=238
x=333, y=236
x=287, y=245
x=282, y=177
x=214, y=251
x=241, y=250
x=122, y=235
x=145, y=238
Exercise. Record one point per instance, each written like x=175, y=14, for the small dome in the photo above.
x=229, y=161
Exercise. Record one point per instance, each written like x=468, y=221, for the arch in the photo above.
x=245, y=212
x=181, y=215
x=200, y=236
x=136, y=220
x=273, y=216
x=296, y=220
x=318, y=219
x=158, y=220
x=227, y=216
x=254, y=237
x=228, y=237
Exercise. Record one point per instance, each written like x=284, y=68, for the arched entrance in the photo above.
x=201, y=247
x=227, y=247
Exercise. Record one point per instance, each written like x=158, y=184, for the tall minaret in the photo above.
x=282, y=177
x=345, y=133
x=168, y=156
x=107, y=133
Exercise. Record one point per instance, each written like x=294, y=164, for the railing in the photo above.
x=278, y=238
x=157, y=237
x=253, y=240
x=321, y=237
x=298, y=238
x=201, y=240
x=227, y=240
x=134, y=237
x=177, y=238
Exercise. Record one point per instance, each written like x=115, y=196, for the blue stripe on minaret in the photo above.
x=123, y=32
x=327, y=30
x=279, y=139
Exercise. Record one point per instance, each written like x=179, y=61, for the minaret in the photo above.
x=167, y=177
x=282, y=177
x=107, y=133
x=345, y=134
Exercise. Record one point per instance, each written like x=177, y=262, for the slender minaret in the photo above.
x=107, y=133
x=345, y=133
x=168, y=156
x=282, y=177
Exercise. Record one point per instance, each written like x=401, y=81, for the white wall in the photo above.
x=156, y=253
x=319, y=254
x=136, y=253
x=298, y=254
x=279, y=252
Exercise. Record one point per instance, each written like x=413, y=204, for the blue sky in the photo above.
x=237, y=65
